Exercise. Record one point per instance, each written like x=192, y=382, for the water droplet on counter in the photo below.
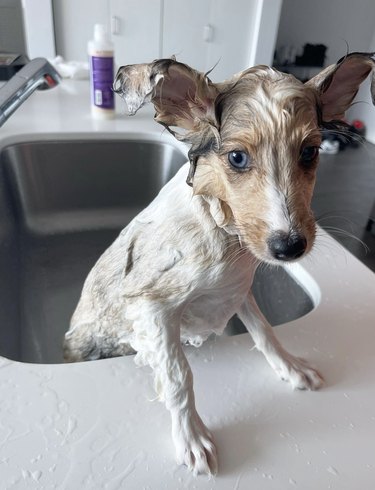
x=333, y=471
x=36, y=475
x=292, y=482
x=25, y=474
x=269, y=477
x=37, y=458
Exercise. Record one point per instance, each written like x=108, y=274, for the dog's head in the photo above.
x=254, y=140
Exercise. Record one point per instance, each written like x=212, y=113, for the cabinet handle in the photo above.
x=208, y=33
x=115, y=25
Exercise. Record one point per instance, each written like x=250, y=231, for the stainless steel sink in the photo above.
x=61, y=205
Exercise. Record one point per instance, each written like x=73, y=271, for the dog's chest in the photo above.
x=216, y=301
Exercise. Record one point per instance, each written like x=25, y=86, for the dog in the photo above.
x=185, y=265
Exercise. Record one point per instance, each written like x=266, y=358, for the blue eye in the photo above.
x=239, y=159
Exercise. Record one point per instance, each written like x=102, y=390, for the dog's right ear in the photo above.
x=182, y=97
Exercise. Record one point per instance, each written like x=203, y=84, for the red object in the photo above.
x=358, y=124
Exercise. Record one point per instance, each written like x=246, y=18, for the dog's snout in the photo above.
x=287, y=246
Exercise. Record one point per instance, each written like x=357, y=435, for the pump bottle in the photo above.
x=100, y=51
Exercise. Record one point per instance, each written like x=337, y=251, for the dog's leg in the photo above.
x=157, y=341
x=288, y=367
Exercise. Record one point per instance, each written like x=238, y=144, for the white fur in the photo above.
x=187, y=275
x=278, y=215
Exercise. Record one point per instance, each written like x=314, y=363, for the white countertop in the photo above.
x=94, y=425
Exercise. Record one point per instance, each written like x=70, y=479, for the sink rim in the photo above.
x=147, y=136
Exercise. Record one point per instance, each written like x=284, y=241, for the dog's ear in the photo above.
x=182, y=97
x=338, y=84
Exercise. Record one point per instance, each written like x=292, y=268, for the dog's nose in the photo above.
x=287, y=246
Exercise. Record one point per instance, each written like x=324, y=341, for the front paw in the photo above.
x=298, y=373
x=195, y=447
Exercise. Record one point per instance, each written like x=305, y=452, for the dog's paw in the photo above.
x=195, y=447
x=298, y=373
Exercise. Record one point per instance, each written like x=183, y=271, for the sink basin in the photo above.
x=62, y=203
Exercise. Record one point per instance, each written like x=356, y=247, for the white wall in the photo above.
x=38, y=28
x=26, y=27
x=363, y=108
x=74, y=25
x=334, y=23
x=265, y=32
x=11, y=27
x=330, y=22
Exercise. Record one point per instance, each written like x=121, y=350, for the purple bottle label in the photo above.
x=102, y=82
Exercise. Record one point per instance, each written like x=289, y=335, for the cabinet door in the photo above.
x=208, y=34
x=234, y=36
x=184, y=24
x=135, y=26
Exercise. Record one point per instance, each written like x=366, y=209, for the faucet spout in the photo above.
x=37, y=74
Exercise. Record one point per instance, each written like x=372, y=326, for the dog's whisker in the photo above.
x=335, y=229
x=347, y=136
x=328, y=248
x=344, y=233
x=333, y=247
x=332, y=215
x=235, y=256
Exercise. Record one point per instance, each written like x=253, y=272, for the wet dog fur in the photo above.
x=184, y=266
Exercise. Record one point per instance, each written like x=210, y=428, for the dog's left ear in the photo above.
x=182, y=97
x=338, y=84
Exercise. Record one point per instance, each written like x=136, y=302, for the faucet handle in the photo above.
x=40, y=69
x=37, y=74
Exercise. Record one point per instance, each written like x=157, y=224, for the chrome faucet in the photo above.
x=37, y=74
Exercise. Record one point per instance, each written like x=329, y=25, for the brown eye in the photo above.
x=308, y=155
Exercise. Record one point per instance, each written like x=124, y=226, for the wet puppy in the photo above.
x=185, y=265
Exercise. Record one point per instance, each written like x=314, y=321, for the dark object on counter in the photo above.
x=11, y=63
x=350, y=135
x=313, y=55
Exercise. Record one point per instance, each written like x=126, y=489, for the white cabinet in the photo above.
x=231, y=34
x=210, y=33
x=137, y=26
x=234, y=24
x=185, y=31
x=224, y=34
